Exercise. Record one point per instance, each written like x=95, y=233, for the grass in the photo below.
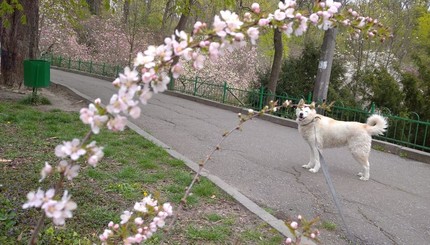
x=328, y=225
x=35, y=100
x=132, y=167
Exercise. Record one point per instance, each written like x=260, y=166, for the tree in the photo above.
x=382, y=89
x=19, y=40
x=95, y=6
x=324, y=67
x=277, y=63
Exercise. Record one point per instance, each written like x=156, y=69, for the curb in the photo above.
x=274, y=222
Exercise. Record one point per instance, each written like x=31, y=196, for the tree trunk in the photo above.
x=94, y=6
x=19, y=42
x=276, y=65
x=182, y=23
x=324, y=67
x=166, y=15
x=126, y=11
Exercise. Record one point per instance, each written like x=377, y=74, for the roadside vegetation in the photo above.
x=132, y=168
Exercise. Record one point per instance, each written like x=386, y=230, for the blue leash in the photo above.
x=330, y=185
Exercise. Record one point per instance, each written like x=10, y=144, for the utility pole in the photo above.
x=324, y=66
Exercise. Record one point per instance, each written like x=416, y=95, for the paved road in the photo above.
x=263, y=162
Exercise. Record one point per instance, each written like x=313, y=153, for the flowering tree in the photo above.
x=150, y=75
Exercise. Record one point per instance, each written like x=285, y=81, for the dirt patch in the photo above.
x=60, y=97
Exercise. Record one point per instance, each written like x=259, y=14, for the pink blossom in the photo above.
x=253, y=34
x=134, y=112
x=164, y=52
x=125, y=217
x=294, y=225
x=70, y=148
x=138, y=221
x=168, y=208
x=289, y=13
x=255, y=8
x=197, y=26
x=183, y=36
x=71, y=171
x=117, y=123
x=232, y=20
x=160, y=84
x=47, y=170
x=35, y=199
x=302, y=27
x=59, y=210
x=288, y=241
x=90, y=116
x=332, y=10
x=159, y=222
x=177, y=70
x=214, y=51
x=219, y=26
x=140, y=207
x=263, y=22
x=103, y=237
x=287, y=28
x=199, y=61
x=247, y=17
x=145, y=95
x=279, y=15
x=283, y=6
x=129, y=77
x=143, y=59
x=148, y=75
x=314, y=18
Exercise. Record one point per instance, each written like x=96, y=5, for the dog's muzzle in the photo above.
x=301, y=116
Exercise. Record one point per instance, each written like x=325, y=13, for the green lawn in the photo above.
x=132, y=167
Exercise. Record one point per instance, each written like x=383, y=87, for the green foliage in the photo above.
x=35, y=99
x=7, y=9
x=70, y=12
x=213, y=234
x=265, y=43
x=414, y=98
x=7, y=215
x=328, y=225
x=384, y=89
x=57, y=236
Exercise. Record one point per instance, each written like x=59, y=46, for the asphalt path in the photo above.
x=263, y=161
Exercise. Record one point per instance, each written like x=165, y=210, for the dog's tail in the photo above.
x=376, y=124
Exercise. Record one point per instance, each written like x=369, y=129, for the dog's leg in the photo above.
x=363, y=159
x=316, y=160
x=311, y=162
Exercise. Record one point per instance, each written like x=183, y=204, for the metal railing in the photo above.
x=412, y=133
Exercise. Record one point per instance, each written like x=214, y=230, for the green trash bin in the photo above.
x=37, y=73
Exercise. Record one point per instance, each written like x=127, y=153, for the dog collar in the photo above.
x=313, y=120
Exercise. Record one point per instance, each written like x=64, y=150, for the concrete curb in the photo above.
x=276, y=223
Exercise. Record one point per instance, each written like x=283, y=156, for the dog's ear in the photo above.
x=301, y=103
x=312, y=105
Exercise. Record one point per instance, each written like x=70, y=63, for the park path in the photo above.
x=263, y=162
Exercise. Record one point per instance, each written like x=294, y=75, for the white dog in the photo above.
x=324, y=132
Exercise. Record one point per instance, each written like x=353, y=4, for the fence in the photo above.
x=412, y=133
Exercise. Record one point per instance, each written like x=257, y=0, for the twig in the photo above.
x=251, y=114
